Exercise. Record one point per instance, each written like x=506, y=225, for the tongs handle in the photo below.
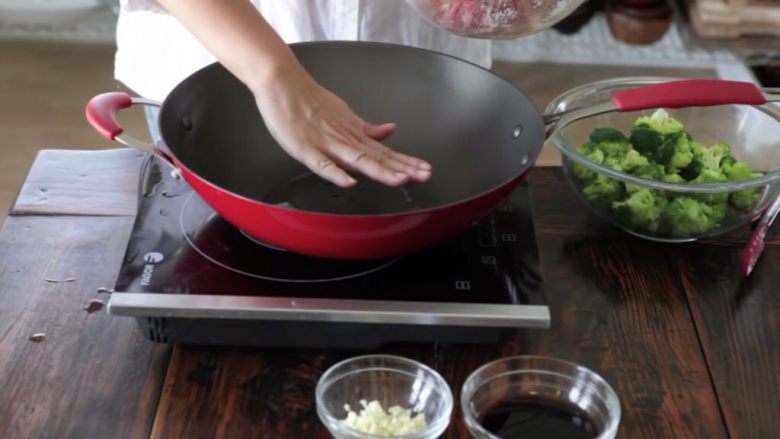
x=689, y=93
x=755, y=246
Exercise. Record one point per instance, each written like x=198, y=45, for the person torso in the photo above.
x=155, y=52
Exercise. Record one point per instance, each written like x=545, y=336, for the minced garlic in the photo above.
x=373, y=419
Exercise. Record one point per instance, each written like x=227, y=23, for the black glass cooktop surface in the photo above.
x=181, y=253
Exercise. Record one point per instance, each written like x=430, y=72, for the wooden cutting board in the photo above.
x=59, y=184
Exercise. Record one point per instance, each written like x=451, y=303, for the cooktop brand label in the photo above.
x=154, y=257
x=151, y=259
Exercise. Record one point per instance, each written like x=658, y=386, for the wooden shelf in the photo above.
x=734, y=19
x=748, y=48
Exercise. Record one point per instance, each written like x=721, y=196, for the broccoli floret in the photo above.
x=615, y=162
x=696, y=165
x=609, y=140
x=660, y=121
x=671, y=150
x=603, y=190
x=583, y=173
x=633, y=160
x=645, y=140
x=740, y=171
x=662, y=139
x=610, y=153
x=673, y=178
x=711, y=176
x=718, y=213
x=685, y=216
x=591, y=151
x=744, y=199
x=690, y=172
x=626, y=162
x=726, y=163
x=712, y=155
x=697, y=148
x=664, y=153
x=650, y=171
x=642, y=209
x=607, y=135
x=632, y=188
x=586, y=148
x=613, y=149
x=682, y=154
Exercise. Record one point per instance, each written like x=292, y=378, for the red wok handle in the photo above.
x=101, y=113
x=102, y=110
x=688, y=93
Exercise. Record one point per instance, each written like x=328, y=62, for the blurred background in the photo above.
x=56, y=54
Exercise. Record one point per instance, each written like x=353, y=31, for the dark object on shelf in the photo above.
x=639, y=25
x=578, y=18
x=767, y=75
x=641, y=4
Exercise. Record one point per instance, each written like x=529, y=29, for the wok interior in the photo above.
x=455, y=115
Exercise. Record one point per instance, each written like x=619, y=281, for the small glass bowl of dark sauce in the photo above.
x=533, y=397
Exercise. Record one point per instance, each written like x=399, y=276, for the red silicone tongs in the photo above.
x=756, y=244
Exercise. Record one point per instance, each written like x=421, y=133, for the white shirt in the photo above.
x=155, y=52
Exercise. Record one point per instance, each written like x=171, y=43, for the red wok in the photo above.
x=480, y=132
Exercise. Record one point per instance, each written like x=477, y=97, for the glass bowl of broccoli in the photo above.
x=670, y=174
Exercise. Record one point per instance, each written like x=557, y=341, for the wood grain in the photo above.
x=629, y=309
x=740, y=332
x=629, y=323
x=92, y=376
x=627, y=320
x=81, y=183
x=560, y=212
x=247, y=392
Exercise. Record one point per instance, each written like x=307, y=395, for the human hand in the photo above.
x=318, y=129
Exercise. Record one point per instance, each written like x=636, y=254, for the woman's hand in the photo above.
x=319, y=130
x=314, y=126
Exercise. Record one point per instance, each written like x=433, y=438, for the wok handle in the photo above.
x=101, y=114
x=688, y=93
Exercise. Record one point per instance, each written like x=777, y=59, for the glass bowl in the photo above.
x=579, y=400
x=494, y=19
x=390, y=381
x=677, y=211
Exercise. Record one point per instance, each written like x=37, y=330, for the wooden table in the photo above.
x=692, y=350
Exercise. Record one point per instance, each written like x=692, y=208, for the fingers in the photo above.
x=326, y=168
x=378, y=162
x=370, y=164
x=379, y=132
x=411, y=161
x=416, y=169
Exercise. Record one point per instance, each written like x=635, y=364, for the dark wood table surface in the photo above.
x=692, y=350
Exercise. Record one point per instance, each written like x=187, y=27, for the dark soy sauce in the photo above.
x=532, y=418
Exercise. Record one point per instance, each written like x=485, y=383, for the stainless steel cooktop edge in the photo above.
x=335, y=310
